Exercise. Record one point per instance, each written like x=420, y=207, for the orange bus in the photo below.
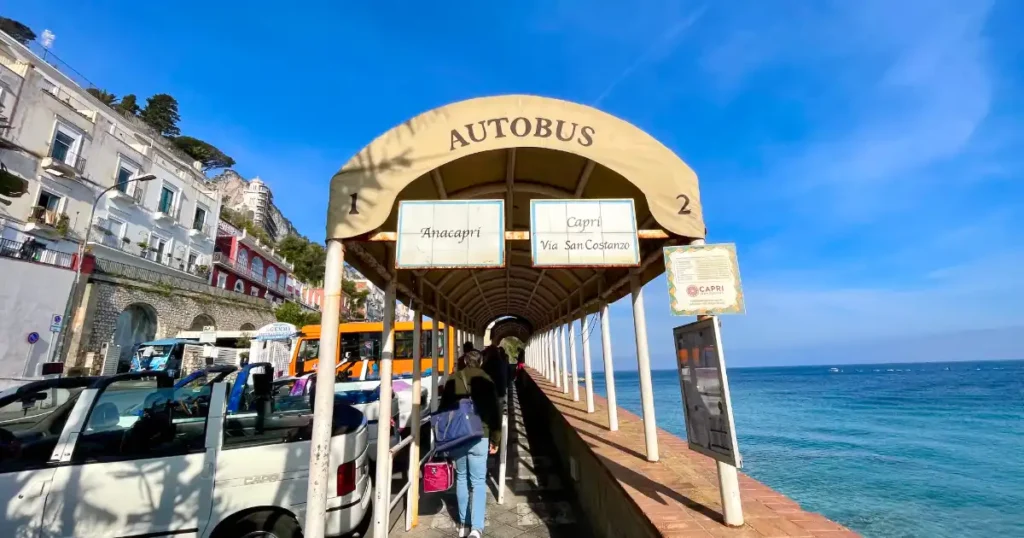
x=361, y=344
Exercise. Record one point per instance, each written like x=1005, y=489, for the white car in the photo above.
x=132, y=455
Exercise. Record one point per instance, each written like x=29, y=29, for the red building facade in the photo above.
x=243, y=264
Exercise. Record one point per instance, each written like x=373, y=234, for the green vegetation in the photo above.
x=204, y=152
x=357, y=298
x=161, y=113
x=512, y=346
x=104, y=96
x=21, y=33
x=127, y=106
x=309, y=258
x=292, y=313
x=243, y=222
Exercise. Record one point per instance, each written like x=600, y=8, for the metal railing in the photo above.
x=112, y=268
x=35, y=253
x=81, y=107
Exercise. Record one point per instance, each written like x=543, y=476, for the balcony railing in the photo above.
x=65, y=163
x=34, y=252
x=245, y=272
x=71, y=101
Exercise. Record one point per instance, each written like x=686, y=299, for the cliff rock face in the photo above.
x=231, y=185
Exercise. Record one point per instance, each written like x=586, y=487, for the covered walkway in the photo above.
x=530, y=214
x=538, y=501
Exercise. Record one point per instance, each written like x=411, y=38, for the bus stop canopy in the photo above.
x=516, y=148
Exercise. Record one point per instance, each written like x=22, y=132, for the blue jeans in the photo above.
x=471, y=479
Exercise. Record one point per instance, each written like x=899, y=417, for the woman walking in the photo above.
x=471, y=458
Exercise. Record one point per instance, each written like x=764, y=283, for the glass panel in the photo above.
x=166, y=200
x=61, y=149
x=123, y=175
x=199, y=220
x=30, y=427
x=403, y=344
x=134, y=419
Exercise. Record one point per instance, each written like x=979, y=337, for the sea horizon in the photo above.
x=915, y=448
x=826, y=365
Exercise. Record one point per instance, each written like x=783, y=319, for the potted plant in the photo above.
x=63, y=224
x=143, y=248
x=126, y=241
x=203, y=270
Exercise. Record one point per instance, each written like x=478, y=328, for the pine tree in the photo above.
x=161, y=113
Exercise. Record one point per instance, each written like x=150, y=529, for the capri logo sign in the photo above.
x=522, y=127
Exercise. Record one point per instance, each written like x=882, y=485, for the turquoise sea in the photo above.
x=889, y=450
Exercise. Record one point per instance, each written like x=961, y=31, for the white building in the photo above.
x=258, y=199
x=70, y=147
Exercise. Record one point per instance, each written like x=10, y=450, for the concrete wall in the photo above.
x=30, y=295
x=608, y=508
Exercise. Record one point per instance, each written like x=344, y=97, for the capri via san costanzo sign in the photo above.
x=591, y=233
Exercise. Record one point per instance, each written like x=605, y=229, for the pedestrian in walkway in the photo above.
x=495, y=364
x=466, y=348
x=471, y=458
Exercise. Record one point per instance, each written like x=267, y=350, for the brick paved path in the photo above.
x=536, y=501
x=680, y=493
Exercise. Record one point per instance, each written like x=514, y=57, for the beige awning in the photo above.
x=542, y=148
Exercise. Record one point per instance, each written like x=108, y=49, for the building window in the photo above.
x=116, y=229
x=65, y=144
x=199, y=221
x=222, y=281
x=240, y=286
x=166, y=201
x=255, y=292
x=125, y=172
x=271, y=275
x=193, y=259
x=257, y=266
x=159, y=246
x=281, y=281
x=243, y=258
x=49, y=201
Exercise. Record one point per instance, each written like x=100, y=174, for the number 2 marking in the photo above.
x=352, y=209
x=682, y=210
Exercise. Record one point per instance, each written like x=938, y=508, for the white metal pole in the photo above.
x=609, y=367
x=503, y=461
x=728, y=477
x=572, y=358
x=643, y=359
x=413, y=497
x=451, y=351
x=588, y=371
x=555, y=357
x=435, y=396
x=562, y=329
x=382, y=486
x=320, y=450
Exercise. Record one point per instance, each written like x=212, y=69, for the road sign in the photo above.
x=209, y=335
x=55, y=323
x=450, y=234
x=33, y=337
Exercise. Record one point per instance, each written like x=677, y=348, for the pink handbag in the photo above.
x=438, y=476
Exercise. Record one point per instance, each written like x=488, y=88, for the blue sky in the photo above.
x=865, y=156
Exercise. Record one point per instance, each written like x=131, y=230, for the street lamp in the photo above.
x=81, y=255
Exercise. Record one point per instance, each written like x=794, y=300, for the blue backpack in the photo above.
x=457, y=426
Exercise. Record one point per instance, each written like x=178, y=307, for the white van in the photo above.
x=130, y=455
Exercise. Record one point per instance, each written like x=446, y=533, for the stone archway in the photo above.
x=201, y=321
x=136, y=324
x=247, y=327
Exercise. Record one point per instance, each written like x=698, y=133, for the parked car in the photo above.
x=136, y=455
